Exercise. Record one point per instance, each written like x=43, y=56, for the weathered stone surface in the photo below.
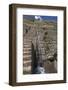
x=44, y=38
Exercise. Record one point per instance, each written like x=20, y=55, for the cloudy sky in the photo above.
x=34, y=17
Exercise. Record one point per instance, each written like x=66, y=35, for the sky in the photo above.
x=37, y=17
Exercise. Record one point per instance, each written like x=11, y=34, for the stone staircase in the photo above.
x=31, y=37
x=27, y=56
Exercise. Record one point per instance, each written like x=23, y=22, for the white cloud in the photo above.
x=38, y=18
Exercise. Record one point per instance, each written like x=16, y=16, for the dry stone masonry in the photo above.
x=39, y=47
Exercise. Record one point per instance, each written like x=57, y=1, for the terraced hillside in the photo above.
x=43, y=36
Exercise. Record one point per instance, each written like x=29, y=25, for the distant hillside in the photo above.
x=41, y=24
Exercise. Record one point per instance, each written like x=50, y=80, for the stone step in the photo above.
x=26, y=53
x=26, y=64
x=26, y=43
x=27, y=59
x=26, y=56
x=26, y=49
x=28, y=68
x=27, y=39
x=27, y=46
